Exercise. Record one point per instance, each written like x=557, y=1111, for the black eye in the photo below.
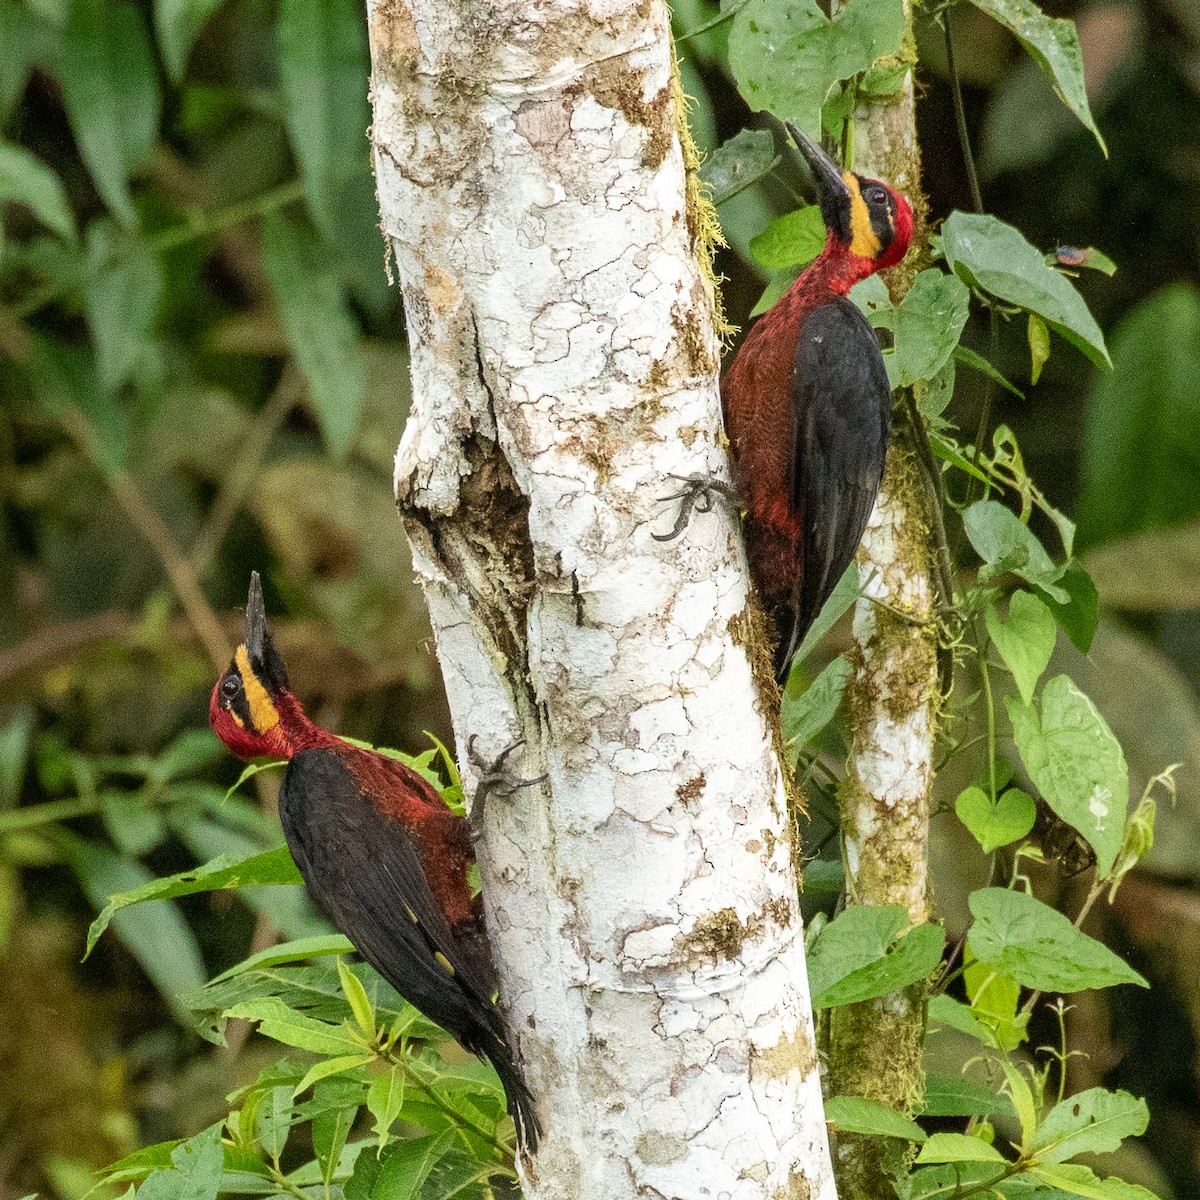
x=230, y=686
x=877, y=195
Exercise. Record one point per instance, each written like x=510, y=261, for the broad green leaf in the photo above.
x=1076, y=763
x=1096, y=1121
x=111, y=95
x=1005, y=543
x=1079, y=1180
x=956, y=1015
x=158, y=938
x=286, y=952
x=120, y=298
x=356, y=996
x=273, y=867
x=977, y=362
x=323, y=72
x=933, y=396
x=332, y=1066
x=1025, y=642
x=1038, y=337
x=948, y=1181
x=336, y=1103
x=274, y=1120
x=1053, y=44
x=25, y=179
x=1081, y=615
x=925, y=327
x=195, y=1174
x=1038, y=947
x=385, y=1099
x=840, y=599
x=252, y=769
x=277, y=1020
x=987, y=253
x=787, y=56
x=744, y=159
x=14, y=754
x=859, y=955
x=994, y=997
x=1143, y=423
x=802, y=717
x=1020, y=1092
x=853, y=1114
x=408, y=1166
x=792, y=240
x=954, y=1096
x=177, y=24
x=999, y=824
x=957, y=1147
x=319, y=328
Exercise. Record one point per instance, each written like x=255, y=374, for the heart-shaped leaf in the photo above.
x=995, y=825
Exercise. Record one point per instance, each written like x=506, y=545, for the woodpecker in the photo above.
x=808, y=407
x=381, y=854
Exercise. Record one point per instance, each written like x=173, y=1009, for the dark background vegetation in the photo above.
x=203, y=370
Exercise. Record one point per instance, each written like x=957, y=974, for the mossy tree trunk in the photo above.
x=533, y=185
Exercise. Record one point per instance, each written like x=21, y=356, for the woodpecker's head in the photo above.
x=867, y=219
x=251, y=702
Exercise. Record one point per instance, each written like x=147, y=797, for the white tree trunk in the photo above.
x=641, y=902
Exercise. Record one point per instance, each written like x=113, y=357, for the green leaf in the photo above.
x=787, y=56
x=999, y=824
x=273, y=867
x=1053, y=44
x=1083, y=1181
x=283, y=1024
x=323, y=73
x=1025, y=642
x=1005, y=543
x=14, y=754
x=25, y=179
x=274, y=1120
x=385, y=1099
x=177, y=24
x=1143, y=423
x=1038, y=337
x=858, y=955
x=994, y=997
x=1076, y=763
x=120, y=298
x=196, y=1164
x=957, y=1147
x=792, y=240
x=954, y=1096
x=741, y=161
x=332, y=1066
x=1092, y=1122
x=1039, y=947
x=840, y=599
x=356, y=996
x=1081, y=615
x=410, y=1165
x=337, y=1103
x=989, y=254
x=286, y=952
x=802, y=717
x=956, y=1015
x=977, y=362
x=853, y=1114
x=322, y=334
x=111, y=95
x=926, y=326
x=948, y=1181
x=159, y=939
x=252, y=769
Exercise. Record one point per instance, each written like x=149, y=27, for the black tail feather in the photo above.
x=520, y=1102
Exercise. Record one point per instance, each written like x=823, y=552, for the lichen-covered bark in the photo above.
x=876, y=1047
x=642, y=901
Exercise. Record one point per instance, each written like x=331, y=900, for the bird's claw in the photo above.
x=494, y=778
x=696, y=496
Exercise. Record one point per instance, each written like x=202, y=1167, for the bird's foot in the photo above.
x=494, y=776
x=697, y=494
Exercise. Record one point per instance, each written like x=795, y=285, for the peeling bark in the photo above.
x=876, y=1046
x=642, y=901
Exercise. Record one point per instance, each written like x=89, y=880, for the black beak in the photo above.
x=832, y=193
x=256, y=621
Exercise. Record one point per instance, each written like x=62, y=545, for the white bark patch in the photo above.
x=642, y=902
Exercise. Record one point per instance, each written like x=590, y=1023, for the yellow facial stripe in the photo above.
x=863, y=241
x=263, y=715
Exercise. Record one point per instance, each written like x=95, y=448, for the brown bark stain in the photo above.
x=393, y=34
x=692, y=789
x=722, y=934
x=793, y=1052
x=544, y=123
x=442, y=289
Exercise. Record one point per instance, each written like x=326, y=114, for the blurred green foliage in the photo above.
x=202, y=371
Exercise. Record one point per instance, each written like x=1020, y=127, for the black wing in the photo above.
x=842, y=408
x=364, y=871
